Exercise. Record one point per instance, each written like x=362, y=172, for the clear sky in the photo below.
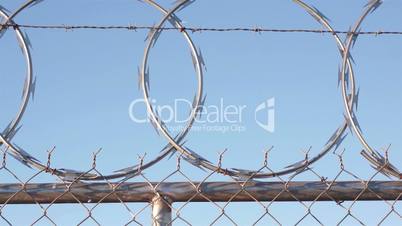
x=87, y=80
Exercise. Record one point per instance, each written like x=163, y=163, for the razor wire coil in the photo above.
x=346, y=77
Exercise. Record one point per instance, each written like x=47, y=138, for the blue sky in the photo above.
x=86, y=80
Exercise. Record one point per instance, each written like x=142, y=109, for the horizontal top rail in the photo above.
x=200, y=192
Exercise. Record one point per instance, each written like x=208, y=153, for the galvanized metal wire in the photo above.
x=131, y=171
x=175, y=143
x=163, y=195
x=195, y=157
x=373, y=156
x=170, y=197
x=254, y=29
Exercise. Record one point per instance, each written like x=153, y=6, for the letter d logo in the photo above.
x=269, y=107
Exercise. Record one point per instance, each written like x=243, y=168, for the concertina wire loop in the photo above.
x=376, y=159
x=132, y=170
x=195, y=158
x=30, y=161
x=10, y=131
x=176, y=143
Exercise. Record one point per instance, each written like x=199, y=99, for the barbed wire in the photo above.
x=245, y=184
x=176, y=143
x=194, y=157
x=254, y=29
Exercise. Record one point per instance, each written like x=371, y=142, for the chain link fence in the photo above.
x=177, y=199
x=176, y=193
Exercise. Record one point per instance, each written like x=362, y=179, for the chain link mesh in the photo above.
x=177, y=195
x=314, y=200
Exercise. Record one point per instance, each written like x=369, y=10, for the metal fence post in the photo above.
x=161, y=211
